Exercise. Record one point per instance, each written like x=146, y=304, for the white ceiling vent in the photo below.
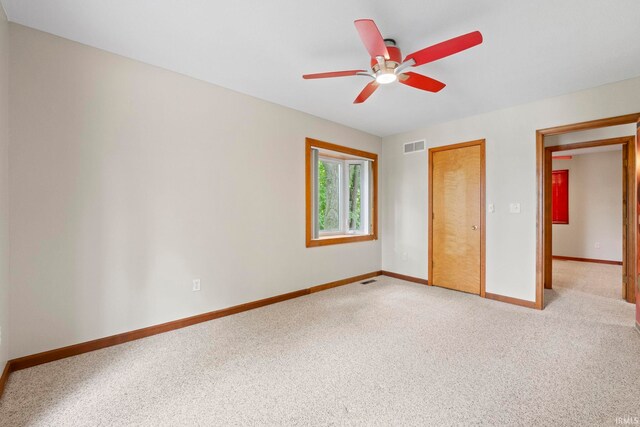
x=413, y=147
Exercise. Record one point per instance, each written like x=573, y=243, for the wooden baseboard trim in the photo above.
x=330, y=285
x=597, y=261
x=511, y=300
x=85, y=347
x=4, y=377
x=403, y=277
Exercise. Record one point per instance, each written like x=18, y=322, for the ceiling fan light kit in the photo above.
x=384, y=68
x=387, y=65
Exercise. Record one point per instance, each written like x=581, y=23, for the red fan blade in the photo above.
x=421, y=82
x=371, y=38
x=446, y=48
x=366, y=92
x=332, y=74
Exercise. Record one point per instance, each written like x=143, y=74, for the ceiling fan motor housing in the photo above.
x=395, y=59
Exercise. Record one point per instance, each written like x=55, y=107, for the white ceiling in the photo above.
x=531, y=50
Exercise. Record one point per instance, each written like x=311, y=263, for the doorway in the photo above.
x=543, y=213
x=591, y=219
x=457, y=217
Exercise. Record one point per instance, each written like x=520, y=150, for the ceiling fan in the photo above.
x=387, y=65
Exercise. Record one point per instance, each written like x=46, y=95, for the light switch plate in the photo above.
x=492, y=208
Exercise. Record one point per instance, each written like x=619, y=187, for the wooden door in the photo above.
x=457, y=208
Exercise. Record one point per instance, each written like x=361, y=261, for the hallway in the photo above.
x=603, y=280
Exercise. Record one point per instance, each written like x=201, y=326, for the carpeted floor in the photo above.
x=592, y=278
x=387, y=353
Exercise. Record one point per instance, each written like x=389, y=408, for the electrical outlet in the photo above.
x=514, y=208
x=597, y=245
x=405, y=256
x=196, y=284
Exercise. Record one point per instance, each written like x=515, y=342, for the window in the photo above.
x=341, y=192
x=560, y=196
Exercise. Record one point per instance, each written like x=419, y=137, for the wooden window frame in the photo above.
x=338, y=239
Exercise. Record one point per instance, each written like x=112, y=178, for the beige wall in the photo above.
x=595, y=207
x=128, y=181
x=591, y=135
x=4, y=188
x=511, y=178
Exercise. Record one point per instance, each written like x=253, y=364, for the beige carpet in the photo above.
x=592, y=278
x=388, y=353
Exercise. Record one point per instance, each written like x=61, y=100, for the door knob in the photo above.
x=474, y=227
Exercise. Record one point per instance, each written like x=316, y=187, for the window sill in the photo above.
x=339, y=239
